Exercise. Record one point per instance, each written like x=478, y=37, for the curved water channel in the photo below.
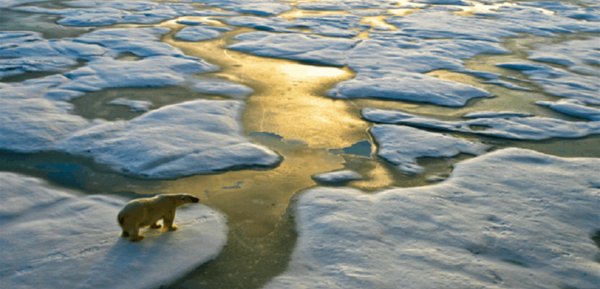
x=288, y=113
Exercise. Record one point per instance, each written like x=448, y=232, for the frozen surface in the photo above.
x=413, y=87
x=581, y=56
x=521, y=128
x=337, y=177
x=308, y=48
x=188, y=138
x=403, y=145
x=572, y=107
x=134, y=105
x=57, y=240
x=200, y=33
x=221, y=87
x=509, y=219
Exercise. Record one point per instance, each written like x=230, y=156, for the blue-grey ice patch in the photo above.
x=221, y=87
x=200, y=33
x=195, y=137
x=509, y=219
x=347, y=5
x=572, y=107
x=347, y=26
x=403, y=145
x=520, y=128
x=257, y=7
x=414, y=87
x=134, y=105
x=141, y=42
x=62, y=240
x=496, y=114
x=337, y=177
x=154, y=71
x=307, y=48
x=560, y=82
x=260, y=23
x=105, y=13
x=581, y=56
x=23, y=51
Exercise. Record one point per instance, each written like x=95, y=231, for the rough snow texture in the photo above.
x=56, y=239
x=521, y=128
x=403, y=145
x=201, y=136
x=509, y=219
x=337, y=177
x=200, y=33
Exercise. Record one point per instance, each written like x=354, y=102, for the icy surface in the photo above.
x=581, y=56
x=188, y=138
x=403, y=145
x=134, y=105
x=409, y=87
x=221, y=87
x=509, y=219
x=572, y=107
x=337, y=177
x=200, y=33
x=521, y=128
x=59, y=240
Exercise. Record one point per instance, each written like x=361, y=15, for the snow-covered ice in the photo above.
x=200, y=33
x=403, y=145
x=509, y=219
x=194, y=137
x=572, y=107
x=520, y=128
x=337, y=177
x=56, y=239
x=221, y=87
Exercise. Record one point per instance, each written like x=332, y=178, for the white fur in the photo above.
x=145, y=212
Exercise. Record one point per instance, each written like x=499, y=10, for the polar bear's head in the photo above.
x=181, y=199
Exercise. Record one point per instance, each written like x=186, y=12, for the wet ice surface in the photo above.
x=183, y=139
x=402, y=145
x=392, y=47
x=509, y=219
x=62, y=240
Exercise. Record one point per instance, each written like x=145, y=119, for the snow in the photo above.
x=62, y=240
x=572, y=107
x=413, y=87
x=221, y=87
x=509, y=219
x=581, y=56
x=200, y=33
x=496, y=114
x=308, y=48
x=134, y=105
x=403, y=145
x=520, y=128
x=195, y=137
x=258, y=7
x=337, y=177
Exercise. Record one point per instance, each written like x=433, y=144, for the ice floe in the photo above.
x=581, y=56
x=508, y=219
x=56, y=239
x=221, y=87
x=201, y=136
x=403, y=145
x=200, y=33
x=408, y=87
x=521, y=128
x=337, y=177
x=572, y=107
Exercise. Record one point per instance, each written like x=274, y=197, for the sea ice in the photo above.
x=403, y=145
x=201, y=136
x=414, y=87
x=520, y=128
x=200, y=33
x=509, y=219
x=572, y=107
x=337, y=177
x=221, y=87
x=56, y=239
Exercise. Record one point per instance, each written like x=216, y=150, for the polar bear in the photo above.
x=144, y=212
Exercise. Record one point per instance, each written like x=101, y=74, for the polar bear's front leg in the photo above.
x=134, y=234
x=168, y=221
x=156, y=225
